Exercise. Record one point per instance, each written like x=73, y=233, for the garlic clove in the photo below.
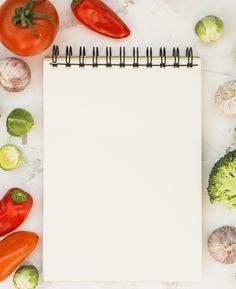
x=15, y=74
x=222, y=245
x=225, y=98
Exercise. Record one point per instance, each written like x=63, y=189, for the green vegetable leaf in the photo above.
x=209, y=28
x=26, y=277
x=222, y=180
x=19, y=122
x=200, y=29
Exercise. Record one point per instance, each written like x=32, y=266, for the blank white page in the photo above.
x=122, y=174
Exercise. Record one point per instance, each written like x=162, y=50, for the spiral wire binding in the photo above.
x=149, y=56
x=135, y=61
x=95, y=56
x=176, y=57
x=189, y=55
x=122, y=56
x=55, y=54
x=82, y=55
x=108, y=57
x=135, y=57
x=162, y=54
x=69, y=54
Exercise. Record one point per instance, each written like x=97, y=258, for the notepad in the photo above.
x=122, y=167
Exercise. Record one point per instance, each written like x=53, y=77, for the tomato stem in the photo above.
x=24, y=15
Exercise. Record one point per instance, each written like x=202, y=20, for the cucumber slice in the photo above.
x=10, y=157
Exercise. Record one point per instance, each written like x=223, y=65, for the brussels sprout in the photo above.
x=209, y=28
x=10, y=157
x=19, y=122
x=26, y=277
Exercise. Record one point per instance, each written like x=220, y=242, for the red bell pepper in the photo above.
x=97, y=16
x=14, y=209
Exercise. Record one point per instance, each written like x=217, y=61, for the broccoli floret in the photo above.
x=222, y=180
x=26, y=277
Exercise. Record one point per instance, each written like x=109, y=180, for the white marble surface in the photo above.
x=153, y=23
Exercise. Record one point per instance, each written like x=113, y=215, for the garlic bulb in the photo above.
x=222, y=245
x=15, y=74
x=225, y=97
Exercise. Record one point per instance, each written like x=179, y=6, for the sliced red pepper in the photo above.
x=15, y=206
x=97, y=16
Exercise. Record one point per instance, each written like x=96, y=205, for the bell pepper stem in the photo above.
x=75, y=3
x=19, y=196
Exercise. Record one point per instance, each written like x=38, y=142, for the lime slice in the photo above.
x=10, y=157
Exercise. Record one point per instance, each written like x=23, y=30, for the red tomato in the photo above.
x=30, y=30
